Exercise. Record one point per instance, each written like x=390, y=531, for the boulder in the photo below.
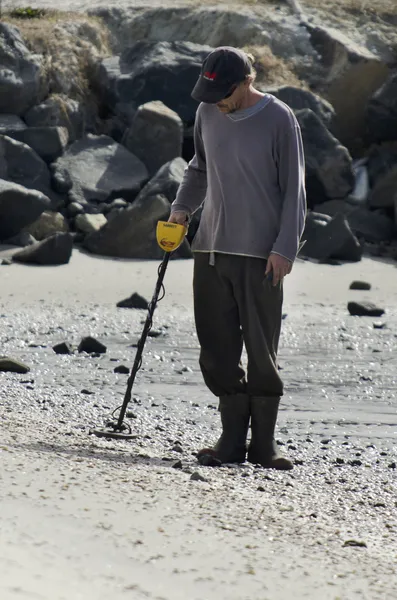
x=20, y=82
x=329, y=168
x=59, y=111
x=100, y=170
x=48, y=142
x=298, y=98
x=13, y=366
x=165, y=182
x=365, y=224
x=330, y=238
x=19, y=207
x=347, y=66
x=10, y=123
x=155, y=135
x=132, y=233
x=380, y=160
x=382, y=113
x=47, y=224
x=384, y=193
x=147, y=71
x=90, y=223
x=55, y=250
x=20, y=164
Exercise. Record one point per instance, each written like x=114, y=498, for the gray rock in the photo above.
x=134, y=301
x=166, y=181
x=19, y=207
x=147, y=71
x=330, y=239
x=90, y=223
x=122, y=369
x=384, y=193
x=48, y=142
x=91, y=345
x=55, y=250
x=155, y=135
x=132, y=234
x=360, y=285
x=118, y=203
x=59, y=111
x=381, y=159
x=364, y=309
x=329, y=168
x=20, y=164
x=61, y=180
x=11, y=123
x=63, y=348
x=298, y=98
x=365, y=224
x=197, y=477
x=23, y=239
x=6, y=262
x=347, y=66
x=20, y=81
x=74, y=208
x=100, y=170
x=382, y=113
x=47, y=224
x=13, y=366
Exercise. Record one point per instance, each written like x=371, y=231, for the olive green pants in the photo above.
x=235, y=305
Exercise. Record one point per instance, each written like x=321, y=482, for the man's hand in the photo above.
x=180, y=217
x=279, y=267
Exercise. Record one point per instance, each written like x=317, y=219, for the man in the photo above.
x=248, y=169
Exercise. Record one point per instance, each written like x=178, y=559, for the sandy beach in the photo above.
x=85, y=518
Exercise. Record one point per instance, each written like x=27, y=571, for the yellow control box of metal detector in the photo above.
x=170, y=235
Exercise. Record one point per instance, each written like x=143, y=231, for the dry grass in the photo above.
x=70, y=45
x=270, y=70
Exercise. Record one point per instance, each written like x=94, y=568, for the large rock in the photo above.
x=100, y=170
x=330, y=238
x=166, y=181
x=329, y=168
x=48, y=142
x=20, y=164
x=59, y=111
x=90, y=223
x=155, y=135
x=10, y=123
x=19, y=207
x=298, y=98
x=47, y=224
x=384, y=193
x=351, y=75
x=381, y=159
x=20, y=84
x=132, y=233
x=55, y=250
x=164, y=71
x=365, y=224
x=214, y=24
x=382, y=113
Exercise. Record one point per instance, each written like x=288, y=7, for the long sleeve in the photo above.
x=193, y=189
x=291, y=170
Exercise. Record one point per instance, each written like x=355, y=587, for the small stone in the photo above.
x=6, y=262
x=121, y=369
x=91, y=345
x=354, y=543
x=360, y=285
x=155, y=333
x=379, y=325
x=86, y=392
x=13, y=366
x=355, y=463
x=207, y=460
x=63, y=348
x=197, y=477
x=260, y=488
x=340, y=461
x=134, y=301
x=177, y=465
x=364, y=309
x=177, y=448
x=392, y=465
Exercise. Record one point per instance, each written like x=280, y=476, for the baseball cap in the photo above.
x=221, y=70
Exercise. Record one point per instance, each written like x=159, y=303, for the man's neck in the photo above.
x=253, y=97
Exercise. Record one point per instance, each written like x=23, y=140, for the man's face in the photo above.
x=234, y=99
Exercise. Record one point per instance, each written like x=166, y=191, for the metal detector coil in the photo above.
x=169, y=237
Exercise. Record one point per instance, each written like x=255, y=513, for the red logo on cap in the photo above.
x=209, y=75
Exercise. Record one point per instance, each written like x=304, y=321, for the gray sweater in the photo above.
x=249, y=171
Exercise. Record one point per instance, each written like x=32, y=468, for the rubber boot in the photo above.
x=231, y=446
x=263, y=449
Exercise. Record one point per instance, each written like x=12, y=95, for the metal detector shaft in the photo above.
x=142, y=340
